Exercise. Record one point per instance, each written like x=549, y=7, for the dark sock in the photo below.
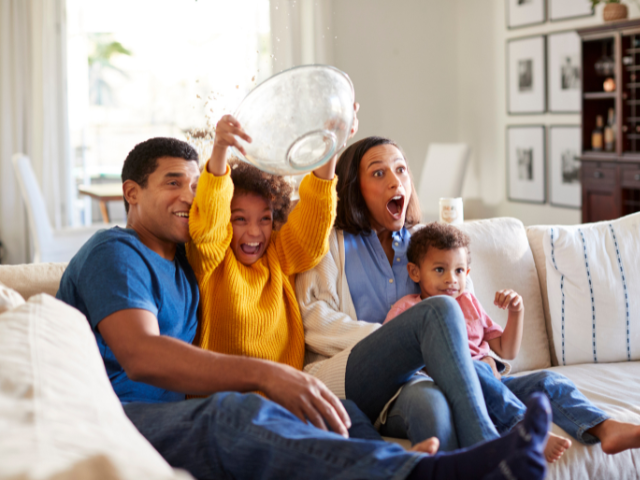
x=519, y=453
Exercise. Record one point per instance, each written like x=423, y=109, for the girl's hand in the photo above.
x=228, y=130
x=508, y=299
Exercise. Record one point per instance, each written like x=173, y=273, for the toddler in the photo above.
x=439, y=263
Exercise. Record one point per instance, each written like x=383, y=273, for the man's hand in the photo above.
x=508, y=299
x=306, y=397
x=492, y=363
x=228, y=129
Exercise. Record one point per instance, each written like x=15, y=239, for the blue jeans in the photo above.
x=571, y=409
x=432, y=334
x=236, y=436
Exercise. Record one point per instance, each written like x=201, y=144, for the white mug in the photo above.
x=451, y=211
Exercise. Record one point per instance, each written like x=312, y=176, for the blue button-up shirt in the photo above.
x=374, y=284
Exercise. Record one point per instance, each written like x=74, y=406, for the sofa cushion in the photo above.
x=501, y=258
x=33, y=278
x=9, y=299
x=57, y=407
x=593, y=276
x=615, y=388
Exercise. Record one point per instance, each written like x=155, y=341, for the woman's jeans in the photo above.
x=235, y=436
x=431, y=334
x=571, y=410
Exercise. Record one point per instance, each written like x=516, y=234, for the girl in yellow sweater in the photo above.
x=246, y=270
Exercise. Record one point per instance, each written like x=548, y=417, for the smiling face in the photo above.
x=159, y=211
x=252, y=222
x=441, y=272
x=386, y=187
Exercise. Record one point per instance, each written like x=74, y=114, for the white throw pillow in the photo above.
x=57, y=407
x=9, y=299
x=593, y=284
x=501, y=258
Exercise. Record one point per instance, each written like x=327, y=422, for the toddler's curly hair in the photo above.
x=437, y=235
x=275, y=189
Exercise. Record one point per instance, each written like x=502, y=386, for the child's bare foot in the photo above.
x=430, y=446
x=556, y=447
x=616, y=436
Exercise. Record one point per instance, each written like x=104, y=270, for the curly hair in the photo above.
x=142, y=161
x=353, y=213
x=276, y=190
x=437, y=235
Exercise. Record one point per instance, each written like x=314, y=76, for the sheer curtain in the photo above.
x=33, y=114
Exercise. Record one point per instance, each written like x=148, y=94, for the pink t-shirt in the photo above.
x=480, y=328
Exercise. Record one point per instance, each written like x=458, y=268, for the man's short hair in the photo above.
x=437, y=235
x=142, y=161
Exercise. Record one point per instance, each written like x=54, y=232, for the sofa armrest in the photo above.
x=31, y=279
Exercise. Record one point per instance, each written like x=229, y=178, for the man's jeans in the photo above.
x=571, y=409
x=236, y=436
x=432, y=334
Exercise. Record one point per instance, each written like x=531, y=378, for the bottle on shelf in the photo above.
x=597, y=135
x=609, y=132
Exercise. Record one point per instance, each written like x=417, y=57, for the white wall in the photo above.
x=401, y=57
x=434, y=71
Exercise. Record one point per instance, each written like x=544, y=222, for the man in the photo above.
x=140, y=296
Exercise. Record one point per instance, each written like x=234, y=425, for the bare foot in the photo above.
x=616, y=436
x=556, y=447
x=430, y=446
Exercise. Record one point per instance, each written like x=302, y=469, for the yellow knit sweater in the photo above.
x=253, y=310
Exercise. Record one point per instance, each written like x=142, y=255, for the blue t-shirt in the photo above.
x=115, y=271
x=374, y=284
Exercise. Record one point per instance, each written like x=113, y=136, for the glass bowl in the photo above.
x=297, y=119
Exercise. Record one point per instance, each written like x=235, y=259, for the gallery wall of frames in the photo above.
x=544, y=77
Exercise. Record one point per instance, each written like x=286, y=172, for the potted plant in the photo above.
x=613, y=9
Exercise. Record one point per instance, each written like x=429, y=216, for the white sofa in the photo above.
x=504, y=254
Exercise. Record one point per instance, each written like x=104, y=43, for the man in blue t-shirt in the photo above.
x=140, y=296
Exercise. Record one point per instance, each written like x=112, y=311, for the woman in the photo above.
x=345, y=299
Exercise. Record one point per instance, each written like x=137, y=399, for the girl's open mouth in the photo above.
x=250, y=248
x=395, y=205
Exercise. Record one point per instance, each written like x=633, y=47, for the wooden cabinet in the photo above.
x=611, y=179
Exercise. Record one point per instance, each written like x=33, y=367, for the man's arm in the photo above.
x=146, y=356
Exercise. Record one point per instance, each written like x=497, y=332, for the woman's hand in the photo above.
x=227, y=131
x=508, y=299
x=327, y=171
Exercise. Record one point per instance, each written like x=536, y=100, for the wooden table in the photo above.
x=103, y=192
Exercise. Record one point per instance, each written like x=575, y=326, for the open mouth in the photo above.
x=450, y=292
x=184, y=215
x=250, y=248
x=395, y=205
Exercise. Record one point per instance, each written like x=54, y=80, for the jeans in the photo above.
x=236, y=436
x=432, y=334
x=571, y=410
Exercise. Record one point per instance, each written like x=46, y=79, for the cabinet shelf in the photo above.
x=599, y=95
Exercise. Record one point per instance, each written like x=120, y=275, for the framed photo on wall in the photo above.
x=564, y=166
x=564, y=67
x=526, y=75
x=526, y=163
x=521, y=13
x=565, y=9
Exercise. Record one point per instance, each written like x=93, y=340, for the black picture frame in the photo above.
x=543, y=6
x=541, y=171
x=576, y=188
x=541, y=108
x=570, y=17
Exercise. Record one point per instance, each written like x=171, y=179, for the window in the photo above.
x=154, y=68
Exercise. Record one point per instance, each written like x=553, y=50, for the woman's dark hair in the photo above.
x=142, y=161
x=273, y=188
x=353, y=214
x=436, y=235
